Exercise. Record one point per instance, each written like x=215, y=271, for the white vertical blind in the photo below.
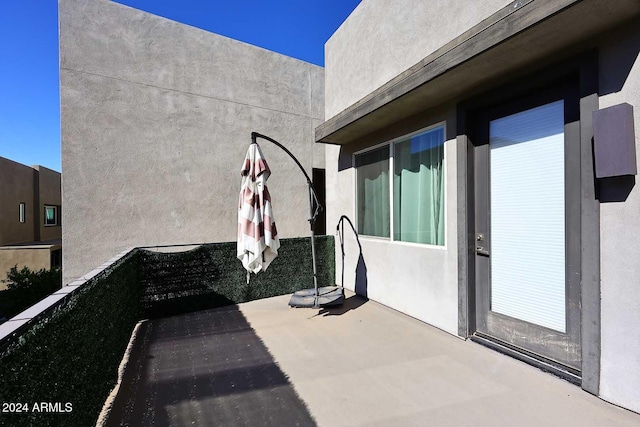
x=528, y=216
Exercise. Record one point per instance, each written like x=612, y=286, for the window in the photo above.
x=418, y=189
x=50, y=215
x=22, y=214
x=56, y=259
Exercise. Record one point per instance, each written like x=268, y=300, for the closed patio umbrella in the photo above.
x=255, y=165
x=257, y=234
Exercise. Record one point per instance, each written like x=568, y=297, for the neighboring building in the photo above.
x=462, y=147
x=156, y=120
x=30, y=209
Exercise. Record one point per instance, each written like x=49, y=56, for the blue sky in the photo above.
x=29, y=77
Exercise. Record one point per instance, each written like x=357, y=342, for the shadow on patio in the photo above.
x=65, y=350
x=205, y=368
x=259, y=362
x=361, y=365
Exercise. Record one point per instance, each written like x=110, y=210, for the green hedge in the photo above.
x=211, y=275
x=72, y=354
x=26, y=287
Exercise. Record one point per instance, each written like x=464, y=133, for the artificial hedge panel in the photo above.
x=211, y=275
x=67, y=361
x=71, y=356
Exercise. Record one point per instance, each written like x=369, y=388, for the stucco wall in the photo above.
x=156, y=120
x=383, y=38
x=419, y=280
x=16, y=186
x=49, y=189
x=377, y=42
x=620, y=235
x=35, y=259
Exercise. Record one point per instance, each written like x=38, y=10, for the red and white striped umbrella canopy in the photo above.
x=257, y=235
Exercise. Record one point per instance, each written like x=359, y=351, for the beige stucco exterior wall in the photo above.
x=35, y=186
x=49, y=189
x=156, y=121
x=620, y=235
x=16, y=186
x=383, y=38
x=32, y=185
x=35, y=259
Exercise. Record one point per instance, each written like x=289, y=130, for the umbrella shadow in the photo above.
x=361, y=282
x=351, y=303
x=205, y=368
x=361, y=277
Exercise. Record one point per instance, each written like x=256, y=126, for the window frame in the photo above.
x=55, y=259
x=55, y=216
x=392, y=197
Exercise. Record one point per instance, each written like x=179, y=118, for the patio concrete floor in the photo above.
x=359, y=365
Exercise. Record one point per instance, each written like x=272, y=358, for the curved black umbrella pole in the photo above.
x=313, y=200
x=312, y=191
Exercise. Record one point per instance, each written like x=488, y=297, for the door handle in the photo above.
x=481, y=251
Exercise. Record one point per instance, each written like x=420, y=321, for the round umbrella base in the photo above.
x=328, y=296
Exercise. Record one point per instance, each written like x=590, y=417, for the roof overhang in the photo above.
x=528, y=33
